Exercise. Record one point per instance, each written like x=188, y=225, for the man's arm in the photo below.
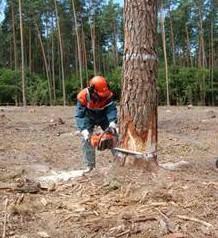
x=111, y=112
x=82, y=121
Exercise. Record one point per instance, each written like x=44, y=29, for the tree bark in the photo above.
x=61, y=53
x=78, y=45
x=138, y=109
x=22, y=54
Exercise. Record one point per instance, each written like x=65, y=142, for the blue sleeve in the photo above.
x=111, y=112
x=82, y=121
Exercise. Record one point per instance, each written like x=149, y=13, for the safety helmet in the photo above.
x=99, y=84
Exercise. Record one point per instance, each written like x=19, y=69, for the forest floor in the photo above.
x=111, y=201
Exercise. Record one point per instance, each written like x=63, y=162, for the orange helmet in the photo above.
x=100, y=86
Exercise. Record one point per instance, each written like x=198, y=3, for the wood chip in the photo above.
x=175, y=235
x=123, y=233
x=186, y=218
x=44, y=202
x=43, y=234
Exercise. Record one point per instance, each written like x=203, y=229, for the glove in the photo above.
x=112, y=128
x=85, y=134
x=113, y=125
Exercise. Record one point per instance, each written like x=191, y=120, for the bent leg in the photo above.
x=88, y=154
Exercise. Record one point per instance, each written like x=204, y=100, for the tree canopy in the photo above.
x=191, y=38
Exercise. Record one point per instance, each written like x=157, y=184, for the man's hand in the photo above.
x=112, y=128
x=85, y=134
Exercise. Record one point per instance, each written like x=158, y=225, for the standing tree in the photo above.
x=61, y=53
x=138, y=110
x=93, y=34
x=22, y=54
x=45, y=62
x=78, y=45
x=212, y=56
x=14, y=35
x=172, y=41
x=165, y=53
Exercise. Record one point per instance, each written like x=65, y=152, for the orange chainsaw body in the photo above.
x=97, y=138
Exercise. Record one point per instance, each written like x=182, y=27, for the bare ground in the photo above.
x=111, y=201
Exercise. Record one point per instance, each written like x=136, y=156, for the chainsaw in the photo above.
x=109, y=140
x=105, y=140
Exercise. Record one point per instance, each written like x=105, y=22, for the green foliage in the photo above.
x=72, y=85
x=186, y=85
x=9, y=86
x=37, y=89
x=114, y=79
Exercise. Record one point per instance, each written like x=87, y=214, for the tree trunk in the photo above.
x=14, y=36
x=201, y=33
x=199, y=53
x=85, y=55
x=22, y=55
x=59, y=68
x=165, y=56
x=11, y=55
x=98, y=55
x=76, y=60
x=92, y=29
x=138, y=109
x=93, y=36
x=30, y=50
x=115, y=43
x=53, y=64
x=61, y=53
x=212, y=63
x=78, y=45
x=172, y=39
x=45, y=62
x=188, y=46
x=103, y=64
x=203, y=57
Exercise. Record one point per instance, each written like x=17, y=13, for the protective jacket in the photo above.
x=90, y=113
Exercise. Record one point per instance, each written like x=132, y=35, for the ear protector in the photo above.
x=91, y=89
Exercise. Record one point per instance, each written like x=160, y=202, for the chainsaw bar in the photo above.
x=136, y=154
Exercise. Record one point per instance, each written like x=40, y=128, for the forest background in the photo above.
x=49, y=49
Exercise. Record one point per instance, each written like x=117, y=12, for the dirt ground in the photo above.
x=112, y=201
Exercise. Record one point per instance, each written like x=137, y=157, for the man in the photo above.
x=95, y=107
